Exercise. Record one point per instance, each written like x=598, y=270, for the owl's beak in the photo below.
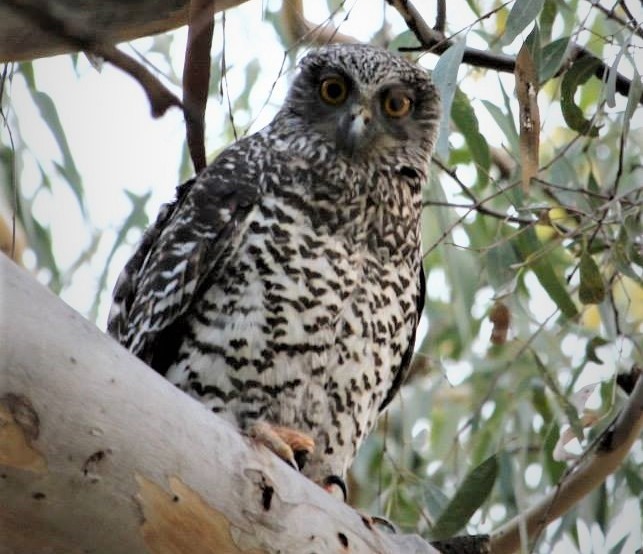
x=355, y=133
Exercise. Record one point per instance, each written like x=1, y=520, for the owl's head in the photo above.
x=365, y=100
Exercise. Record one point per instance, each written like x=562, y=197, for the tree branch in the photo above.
x=196, y=77
x=593, y=468
x=77, y=38
x=98, y=452
x=435, y=42
x=108, y=22
x=301, y=29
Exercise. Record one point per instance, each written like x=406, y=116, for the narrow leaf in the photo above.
x=48, y=111
x=522, y=13
x=445, y=76
x=590, y=349
x=527, y=93
x=582, y=69
x=469, y=497
x=552, y=58
x=529, y=246
x=464, y=118
x=499, y=262
x=592, y=287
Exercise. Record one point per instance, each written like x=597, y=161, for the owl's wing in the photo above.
x=176, y=256
x=402, y=371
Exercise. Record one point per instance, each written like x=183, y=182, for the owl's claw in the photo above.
x=290, y=445
x=333, y=481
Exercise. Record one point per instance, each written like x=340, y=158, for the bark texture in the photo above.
x=22, y=36
x=100, y=454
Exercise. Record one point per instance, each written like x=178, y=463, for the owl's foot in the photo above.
x=290, y=445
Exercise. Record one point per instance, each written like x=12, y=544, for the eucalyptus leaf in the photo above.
x=445, y=77
x=581, y=70
x=522, y=13
x=464, y=118
x=471, y=494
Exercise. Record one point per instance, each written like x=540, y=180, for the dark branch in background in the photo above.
x=160, y=98
x=441, y=16
x=436, y=42
x=631, y=25
x=196, y=77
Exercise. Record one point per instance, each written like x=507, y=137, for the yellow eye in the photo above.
x=333, y=90
x=396, y=104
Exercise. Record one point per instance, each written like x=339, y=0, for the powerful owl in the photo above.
x=283, y=286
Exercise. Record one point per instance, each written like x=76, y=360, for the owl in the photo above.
x=283, y=286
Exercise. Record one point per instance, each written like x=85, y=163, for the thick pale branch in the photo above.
x=100, y=453
x=81, y=38
x=108, y=22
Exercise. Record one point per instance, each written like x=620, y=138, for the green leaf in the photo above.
x=618, y=547
x=552, y=58
x=500, y=260
x=48, y=111
x=469, y=497
x=137, y=218
x=581, y=70
x=633, y=101
x=464, y=118
x=532, y=42
x=530, y=248
x=522, y=13
x=590, y=349
x=592, y=287
x=547, y=17
x=445, y=77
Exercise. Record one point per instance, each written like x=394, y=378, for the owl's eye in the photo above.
x=396, y=104
x=333, y=90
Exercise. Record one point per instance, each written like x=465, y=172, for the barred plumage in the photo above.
x=284, y=284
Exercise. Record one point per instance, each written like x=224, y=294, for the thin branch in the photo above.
x=196, y=77
x=599, y=461
x=441, y=16
x=301, y=29
x=437, y=43
x=632, y=25
x=160, y=98
x=477, y=205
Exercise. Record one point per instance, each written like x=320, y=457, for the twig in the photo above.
x=301, y=29
x=599, y=461
x=441, y=16
x=477, y=205
x=160, y=98
x=437, y=43
x=196, y=77
x=631, y=25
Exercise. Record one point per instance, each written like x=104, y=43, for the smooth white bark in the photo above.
x=103, y=21
x=100, y=454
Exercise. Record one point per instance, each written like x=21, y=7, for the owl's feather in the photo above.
x=284, y=284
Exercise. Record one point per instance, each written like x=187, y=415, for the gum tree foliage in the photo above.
x=532, y=234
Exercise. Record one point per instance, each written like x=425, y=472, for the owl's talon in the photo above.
x=290, y=445
x=335, y=481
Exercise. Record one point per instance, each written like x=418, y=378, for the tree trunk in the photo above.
x=100, y=454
